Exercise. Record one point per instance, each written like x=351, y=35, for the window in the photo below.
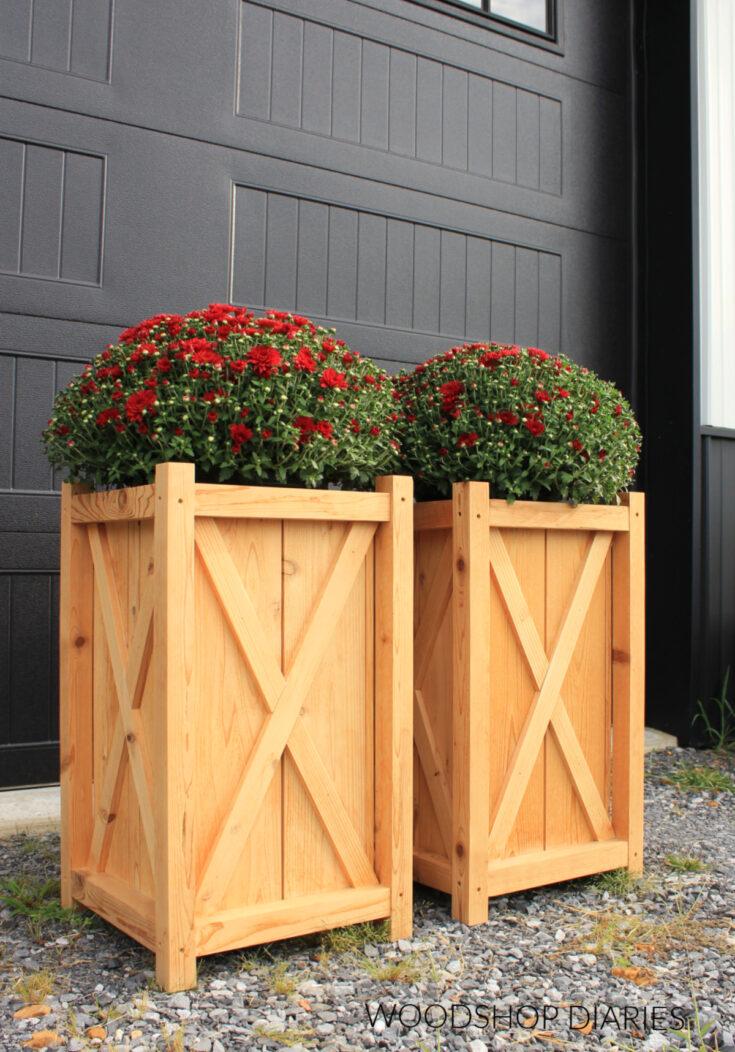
x=532, y=14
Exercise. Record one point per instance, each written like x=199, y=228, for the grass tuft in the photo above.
x=685, y=864
x=34, y=987
x=349, y=940
x=38, y=901
x=403, y=970
x=616, y=882
x=281, y=982
x=298, y=1035
x=691, y=778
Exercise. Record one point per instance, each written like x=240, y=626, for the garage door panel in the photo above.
x=162, y=196
x=367, y=95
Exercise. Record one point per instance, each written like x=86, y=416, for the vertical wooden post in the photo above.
x=394, y=702
x=173, y=657
x=76, y=693
x=471, y=700
x=629, y=681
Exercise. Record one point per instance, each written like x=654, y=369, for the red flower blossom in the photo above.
x=264, y=360
x=106, y=416
x=542, y=396
x=535, y=425
x=375, y=431
x=577, y=445
x=266, y=433
x=536, y=352
x=138, y=403
x=303, y=361
x=331, y=378
x=505, y=416
x=324, y=428
x=240, y=434
x=469, y=440
x=212, y=416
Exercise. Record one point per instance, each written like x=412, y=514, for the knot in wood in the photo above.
x=460, y=564
x=459, y=849
x=79, y=641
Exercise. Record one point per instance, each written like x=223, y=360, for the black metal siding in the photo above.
x=411, y=176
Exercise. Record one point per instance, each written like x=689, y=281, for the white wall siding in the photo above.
x=716, y=94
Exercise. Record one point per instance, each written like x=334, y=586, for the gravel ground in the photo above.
x=603, y=945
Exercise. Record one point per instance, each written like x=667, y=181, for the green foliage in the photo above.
x=718, y=718
x=617, y=882
x=692, y=778
x=685, y=864
x=354, y=937
x=38, y=901
x=533, y=425
x=272, y=400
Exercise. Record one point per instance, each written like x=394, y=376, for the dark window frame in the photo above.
x=494, y=23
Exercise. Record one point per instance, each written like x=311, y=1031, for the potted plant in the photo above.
x=529, y=726
x=235, y=637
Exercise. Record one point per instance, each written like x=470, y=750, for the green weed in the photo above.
x=691, y=778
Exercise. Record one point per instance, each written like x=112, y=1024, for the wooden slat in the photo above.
x=275, y=732
x=264, y=502
x=471, y=709
x=137, y=750
x=629, y=682
x=175, y=625
x=394, y=701
x=432, y=870
x=128, y=909
x=534, y=869
x=134, y=502
x=265, y=922
x=255, y=648
x=433, y=767
x=76, y=691
x=432, y=515
x=547, y=699
x=530, y=514
x=540, y=515
x=435, y=608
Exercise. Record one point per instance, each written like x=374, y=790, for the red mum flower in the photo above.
x=534, y=425
x=618, y=409
x=107, y=415
x=577, y=445
x=505, y=416
x=469, y=440
x=602, y=454
x=542, y=396
x=237, y=366
x=239, y=433
x=163, y=365
x=264, y=360
x=538, y=354
x=561, y=392
x=306, y=426
x=303, y=361
x=324, y=428
x=212, y=416
x=331, y=378
x=138, y=403
x=374, y=431
x=266, y=433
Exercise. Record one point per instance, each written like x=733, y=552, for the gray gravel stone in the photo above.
x=515, y=960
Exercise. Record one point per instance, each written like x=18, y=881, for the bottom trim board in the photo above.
x=532, y=870
x=549, y=867
x=432, y=870
x=267, y=922
x=115, y=901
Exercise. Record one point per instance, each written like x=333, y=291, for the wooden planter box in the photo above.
x=236, y=668
x=529, y=692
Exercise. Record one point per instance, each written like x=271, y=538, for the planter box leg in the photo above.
x=629, y=682
x=471, y=703
x=75, y=694
x=394, y=702
x=174, y=642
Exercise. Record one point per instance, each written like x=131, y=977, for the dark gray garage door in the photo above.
x=410, y=170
